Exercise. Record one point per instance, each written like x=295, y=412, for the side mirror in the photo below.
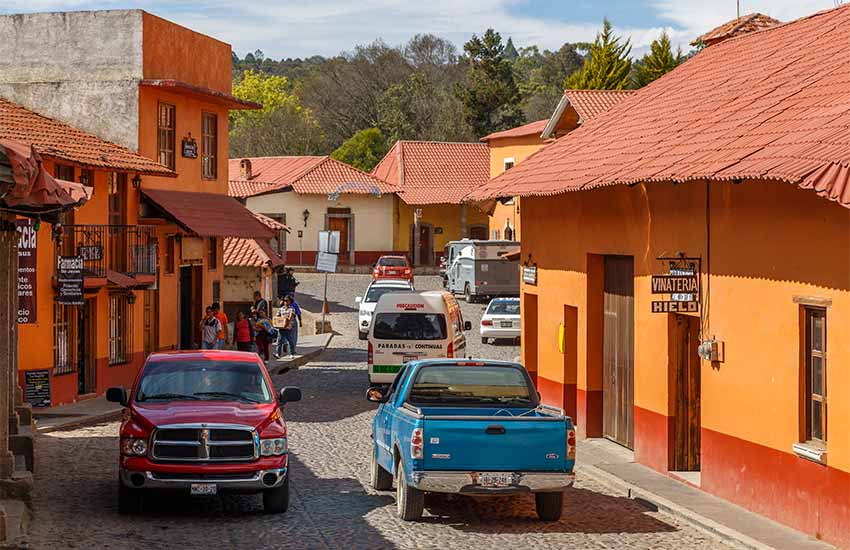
x=375, y=394
x=358, y=299
x=467, y=325
x=290, y=394
x=443, y=259
x=117, y=395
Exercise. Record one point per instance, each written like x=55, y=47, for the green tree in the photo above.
x=510, y=51
x=363, y=150
x=273, y=92
x=490, y=97
x=540, y=76
x=659, y=61
x=607, y=65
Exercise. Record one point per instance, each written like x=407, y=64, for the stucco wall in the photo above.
x=447, y=217
x=770, y=243
x=373, y=218
x=518, y=149
x=79, y=67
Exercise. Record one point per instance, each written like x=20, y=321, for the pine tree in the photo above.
x=511, y=53
x=658, y=62
x=607, y=65
x=490, y=97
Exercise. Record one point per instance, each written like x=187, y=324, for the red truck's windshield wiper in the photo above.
x=167, y=396
x=225, y=394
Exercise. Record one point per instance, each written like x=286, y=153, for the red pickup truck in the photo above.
x=203, y=423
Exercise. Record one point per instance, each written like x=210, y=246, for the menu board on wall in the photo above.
x=37, y=387
x=27, y=299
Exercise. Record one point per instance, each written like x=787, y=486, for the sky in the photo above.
x=302, y=28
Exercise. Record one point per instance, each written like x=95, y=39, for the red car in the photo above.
x=392, y=267
x=203, y=423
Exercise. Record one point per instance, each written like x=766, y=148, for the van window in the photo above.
x=410, y=326
x=376, y=292
x=393, y=262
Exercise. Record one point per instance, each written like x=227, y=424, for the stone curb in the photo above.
x=690, y=517
x=80, y=422
x=300, y=360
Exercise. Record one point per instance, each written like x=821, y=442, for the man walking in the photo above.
x=260, y=304
x=210, y=328
x=284, y=321
x=224, y=335
x=293, y=336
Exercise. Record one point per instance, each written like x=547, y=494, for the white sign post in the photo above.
x=326, y=262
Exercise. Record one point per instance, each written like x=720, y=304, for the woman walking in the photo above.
x=284, y=321
x=264, y=334
x=244, y=332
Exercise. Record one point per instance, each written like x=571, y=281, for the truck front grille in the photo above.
x=205, y=443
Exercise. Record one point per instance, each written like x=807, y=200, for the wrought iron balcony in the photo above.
x=130, y=249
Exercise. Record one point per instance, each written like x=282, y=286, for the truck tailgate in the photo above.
x=495, y=444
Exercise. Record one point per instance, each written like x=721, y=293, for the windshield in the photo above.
x=410, y=326
x=393, y=262
x=474, y=385
x=376, y=292
x=201, y=380
x=504, y=308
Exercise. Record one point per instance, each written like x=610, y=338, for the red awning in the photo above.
x=119, y=279
x=207, y=214
x=35, y=190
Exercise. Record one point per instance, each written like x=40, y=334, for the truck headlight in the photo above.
x=273, y=447
x=134, y=447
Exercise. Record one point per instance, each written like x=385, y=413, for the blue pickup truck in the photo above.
x=472, y=427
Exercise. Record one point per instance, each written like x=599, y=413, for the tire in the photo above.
x=467, y=294
x=129, y=500
x=276, y=501
x=410, y=501
x=549, y=505
x=379, y=479
x=363, y=335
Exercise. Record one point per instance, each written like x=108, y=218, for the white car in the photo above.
x=367, y=302
x=500, y=320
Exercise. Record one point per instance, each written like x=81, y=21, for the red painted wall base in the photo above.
x=589, y=412
x=558, y=394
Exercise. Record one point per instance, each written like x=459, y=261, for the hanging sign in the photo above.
x=190, y=147
x=37, y=387
x=27, y=286
x=69, y=280
x=681, y=283
x=529, y=274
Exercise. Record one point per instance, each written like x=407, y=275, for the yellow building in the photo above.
x=433, y=178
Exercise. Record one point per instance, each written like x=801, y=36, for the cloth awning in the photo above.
x=120, y=279
x=207, y=214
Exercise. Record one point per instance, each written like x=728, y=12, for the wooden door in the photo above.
x=341, y=225
x=686, y=364
x=618, y=351
x=151, y=320
x=87, y=347
x=425, y=246
x=185, y=307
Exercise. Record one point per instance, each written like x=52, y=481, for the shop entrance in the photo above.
x=339, y=219
x=425, y=243
x=685, y=378
x=86, y=347
x=190, y=305
x=529, y=334
x=618, y=351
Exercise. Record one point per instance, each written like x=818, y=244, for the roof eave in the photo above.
x=555, y=119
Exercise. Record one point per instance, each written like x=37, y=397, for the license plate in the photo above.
x=496, y=479
x=507, y=324
x=204, y=489
x=392, y=272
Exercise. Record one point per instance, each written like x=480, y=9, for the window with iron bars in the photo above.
x=64, y=338
x=120, y=328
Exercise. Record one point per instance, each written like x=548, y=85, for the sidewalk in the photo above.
x=98, y=410
x=614, y=466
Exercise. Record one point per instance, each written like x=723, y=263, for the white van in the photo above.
x=413, y=325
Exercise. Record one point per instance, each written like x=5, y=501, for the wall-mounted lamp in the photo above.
x=131, y=298
x=306, y=216
x=136, y=181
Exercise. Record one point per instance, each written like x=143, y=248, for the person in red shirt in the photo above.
x=223, y=335
x=243, y=333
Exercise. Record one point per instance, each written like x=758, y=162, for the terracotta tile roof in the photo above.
x=530, y=129
x=207, y=214
x=249, y=253
x=272, y=224
x=773, y=105
x=307, y=175
x=430, y=172
x=58, y=140
x=587, y=104
x=745, y=24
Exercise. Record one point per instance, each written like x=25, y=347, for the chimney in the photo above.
x=747, y=24
x=245, y=169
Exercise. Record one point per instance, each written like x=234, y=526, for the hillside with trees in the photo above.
x=357, y=104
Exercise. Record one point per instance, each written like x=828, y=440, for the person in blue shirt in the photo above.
x=293, y=334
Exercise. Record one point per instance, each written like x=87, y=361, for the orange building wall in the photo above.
x=170, y=51
x=517, y=148
x=769, y=243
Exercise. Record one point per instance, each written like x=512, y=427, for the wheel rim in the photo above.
x=399, y=497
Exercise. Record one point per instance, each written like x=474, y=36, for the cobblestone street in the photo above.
x=332, y=506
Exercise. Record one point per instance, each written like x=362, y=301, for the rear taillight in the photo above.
x=486, y=323
x=417, y=443
x=450, y=351
x=370, y=354
x=571, y=444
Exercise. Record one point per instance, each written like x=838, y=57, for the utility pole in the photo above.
x=738, y=4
